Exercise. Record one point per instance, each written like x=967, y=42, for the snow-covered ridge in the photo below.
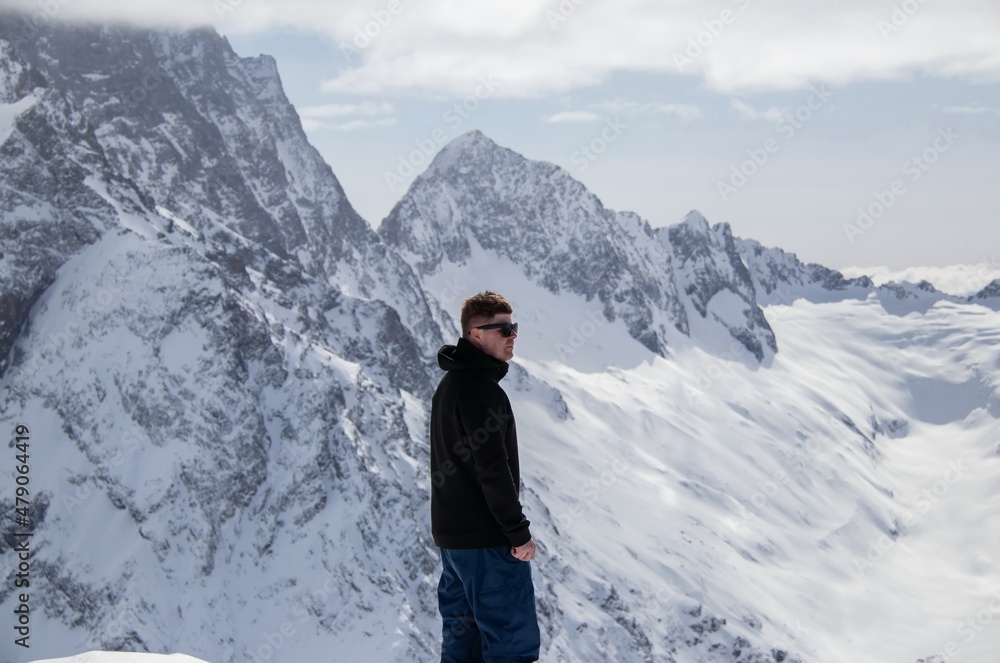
x=955, y=280
x=781, y=278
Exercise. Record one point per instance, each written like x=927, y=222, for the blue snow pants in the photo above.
x=487, y=605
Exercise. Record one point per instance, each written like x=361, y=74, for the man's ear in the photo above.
x=474, y=337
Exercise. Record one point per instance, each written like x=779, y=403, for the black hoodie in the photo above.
x=475, y=478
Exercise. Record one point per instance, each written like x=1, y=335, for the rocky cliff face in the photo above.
x=47, y=153
x=710, y=272
x=219, y=353
x=113, y=123
x=780, y=277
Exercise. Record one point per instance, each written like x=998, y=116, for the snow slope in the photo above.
x=830, y=502
x=122, y=657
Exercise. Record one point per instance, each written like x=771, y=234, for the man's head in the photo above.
x=489, y=308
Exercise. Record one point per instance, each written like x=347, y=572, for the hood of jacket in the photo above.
x=464, y=356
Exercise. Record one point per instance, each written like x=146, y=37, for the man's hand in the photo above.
x=525, y=553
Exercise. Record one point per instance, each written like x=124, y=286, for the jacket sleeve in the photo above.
x=485, y=415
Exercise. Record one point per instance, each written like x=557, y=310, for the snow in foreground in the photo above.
x=122, y=657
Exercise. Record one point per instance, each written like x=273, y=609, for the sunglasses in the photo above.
x=506, y=328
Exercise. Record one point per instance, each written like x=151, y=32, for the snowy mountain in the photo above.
x=225, y=374
x=174, y=132
x=478, y=195
x=780, y=278
x=219, y=353
x=990, y=292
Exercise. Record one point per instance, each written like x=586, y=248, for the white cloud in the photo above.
x=571, y=116
x=367, y=108
x=683, y=112
x=354, y=125
x=312, y=125
x=747, y=112
x=351, y=125
x=441, y=48
x=968, y=110
x=313, y=116
x=764, y=47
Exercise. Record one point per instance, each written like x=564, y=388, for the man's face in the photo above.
x=492, y=341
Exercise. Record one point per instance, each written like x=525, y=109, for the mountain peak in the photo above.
x=469, y=148
x=473, y=137
x=472, y=143
x=696, y=220
x=991, y=290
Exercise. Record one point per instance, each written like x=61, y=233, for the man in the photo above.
x=485, y=595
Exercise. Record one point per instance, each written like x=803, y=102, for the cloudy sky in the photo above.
x=855, y=133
